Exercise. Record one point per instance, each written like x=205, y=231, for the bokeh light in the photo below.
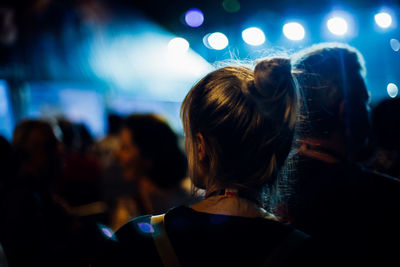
x=383, y=19
x=217, y=41
x=253, y=36
x=178, y=46
x=194, y=17
x=337, y=25
x=392, y=90
x=106, y=231
x=395, y=44
x=294, y=31
x=231, y=6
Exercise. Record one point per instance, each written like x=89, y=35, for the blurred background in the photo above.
x=85, y=59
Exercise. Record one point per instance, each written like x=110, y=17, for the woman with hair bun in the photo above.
x=239, y=125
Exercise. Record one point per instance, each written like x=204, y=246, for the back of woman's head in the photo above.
x=158, y=145
x=245, y=120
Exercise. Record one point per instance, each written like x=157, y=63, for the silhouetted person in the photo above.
x=386, y=129
x=81, y=179
x=34, y=229
x=350, y=209
x=79, y=188
x=5, y=166
x=153, y=167
x=106, y=148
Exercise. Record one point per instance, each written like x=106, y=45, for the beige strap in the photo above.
x=161, y=240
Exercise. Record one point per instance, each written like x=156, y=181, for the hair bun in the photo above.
x=272, y=77
x=274, y=90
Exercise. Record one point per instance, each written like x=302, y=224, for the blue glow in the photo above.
x=129, y=60
x=84, y=106
x=253, y=36
x=6, y=119
x=194, y=17
x=395, y=44
x=127, y=104
x=205, y=41
x=383, y=19
x=146, y=228
x=294, y=31
x=79, y=103
x=217, y=40
x=392, y=90
x=337, y=25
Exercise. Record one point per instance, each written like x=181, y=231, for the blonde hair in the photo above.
x=246, y=119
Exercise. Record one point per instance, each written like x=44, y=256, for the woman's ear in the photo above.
x=201, y=146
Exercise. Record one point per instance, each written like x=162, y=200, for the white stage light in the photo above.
x=253, y=36
x=383, y=19
x=337, y=26
x=217, y=41
x=392, y=90
x=178, y=45
x=294, y=31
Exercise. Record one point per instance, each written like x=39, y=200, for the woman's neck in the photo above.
x=232, y=206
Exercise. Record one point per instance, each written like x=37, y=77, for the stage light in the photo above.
x=253, y=36
x=392, y=90
x=395, y=44
x=194, y=18
x=383, y=19
x=217, y=41
x=231, y=6
x=294, y=31
x=337, y=25
x=178, y=45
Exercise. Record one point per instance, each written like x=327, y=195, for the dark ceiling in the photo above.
x=168, y=13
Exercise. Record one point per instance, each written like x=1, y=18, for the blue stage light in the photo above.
x=294, y=31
